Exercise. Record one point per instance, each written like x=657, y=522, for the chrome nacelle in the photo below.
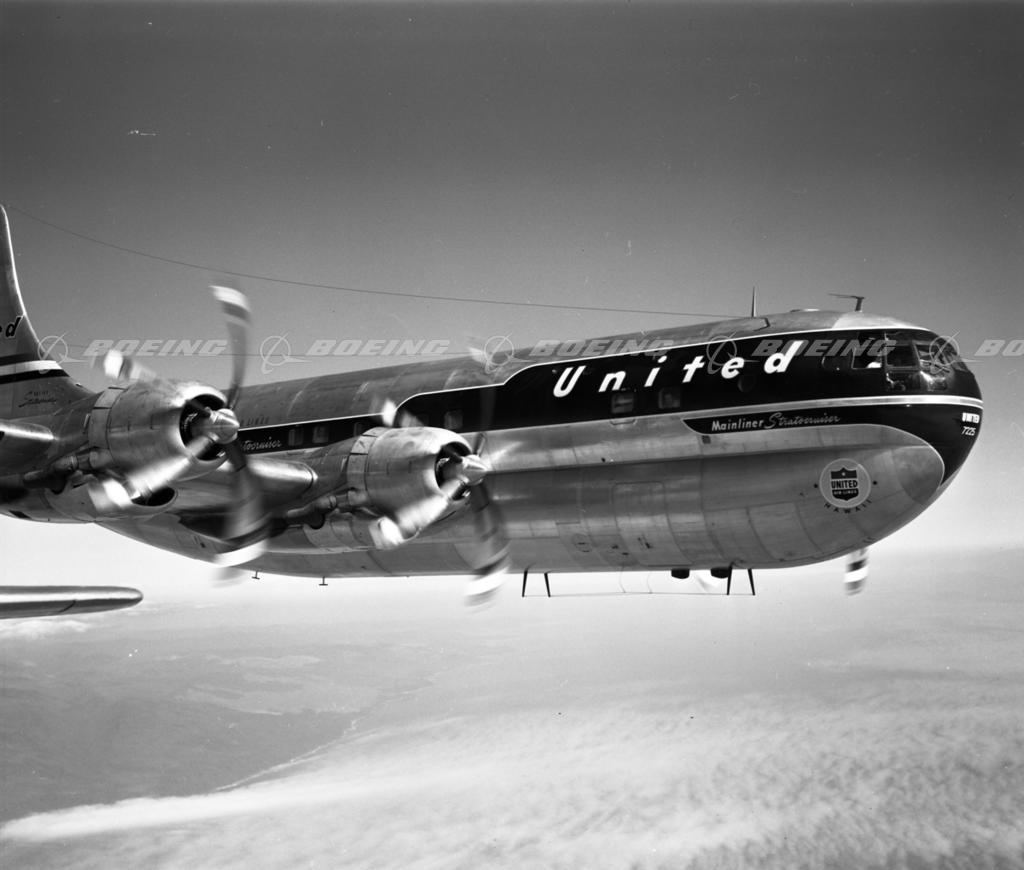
x=388, y=469
x=136, y=424
x=374, y=476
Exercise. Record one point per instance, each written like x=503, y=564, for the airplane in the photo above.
x=752, y=443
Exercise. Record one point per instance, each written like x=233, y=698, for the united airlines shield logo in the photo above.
x=845, y=483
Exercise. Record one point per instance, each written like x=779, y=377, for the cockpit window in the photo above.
x=900, y=353
x=868, y=352
x=864, y=351
x=901, y=364
x=938, y=356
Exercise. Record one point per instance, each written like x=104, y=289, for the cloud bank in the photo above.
x=46, y=627
x=928, y=779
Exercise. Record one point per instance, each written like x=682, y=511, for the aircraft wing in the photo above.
x=20, y=601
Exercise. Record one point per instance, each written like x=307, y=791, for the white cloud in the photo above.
x=45, y=627
x=640, y=785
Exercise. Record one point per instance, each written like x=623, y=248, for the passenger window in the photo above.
x=295, y=437
x=623, y=402
x=453, y=419
x=669, y=398
x=320, y=434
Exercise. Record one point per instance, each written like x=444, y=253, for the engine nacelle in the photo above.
x=380, y=473
x=140, y=423
x=389, y=469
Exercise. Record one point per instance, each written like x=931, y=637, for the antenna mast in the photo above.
x=860, y=299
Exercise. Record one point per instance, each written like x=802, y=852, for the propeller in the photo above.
x=856, y=572
x=491, y=544
x=707, y=581
x=462, y=475
x=247, y=522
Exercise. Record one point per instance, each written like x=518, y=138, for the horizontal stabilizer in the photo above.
x=21, y=601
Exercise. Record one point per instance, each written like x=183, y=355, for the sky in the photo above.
x=553, y=171
x=642, y=156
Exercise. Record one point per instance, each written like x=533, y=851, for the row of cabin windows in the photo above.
x=320, y=433
x=621, y=403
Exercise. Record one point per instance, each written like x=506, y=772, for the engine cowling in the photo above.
x=389, y=469
x=137, y=424
x=376, y=477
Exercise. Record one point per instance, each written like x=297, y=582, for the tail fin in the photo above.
x=30, y=383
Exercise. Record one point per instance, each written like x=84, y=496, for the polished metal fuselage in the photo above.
x=783, y=482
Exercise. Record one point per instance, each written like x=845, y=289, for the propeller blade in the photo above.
x=240, y=555
x=227, y=575
x=387, y=413
x=150, y=478
x=411, y=520
x=393, y=418
x=483, y=589
x=856, y=573
x=248, y=515
x=118, y=367
x=490, y=548
x=110, y=495
x=707, y=582
x=238, y=318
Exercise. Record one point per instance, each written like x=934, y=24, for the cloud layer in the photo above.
x=928, y=774
x=795, y=729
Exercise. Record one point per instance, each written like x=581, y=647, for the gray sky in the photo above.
x=651, y=156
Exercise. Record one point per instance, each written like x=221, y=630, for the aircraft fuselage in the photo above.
x=761, y=442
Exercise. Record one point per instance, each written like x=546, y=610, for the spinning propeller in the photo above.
x=461, y=476
x=856, y=572
x=208, y=429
